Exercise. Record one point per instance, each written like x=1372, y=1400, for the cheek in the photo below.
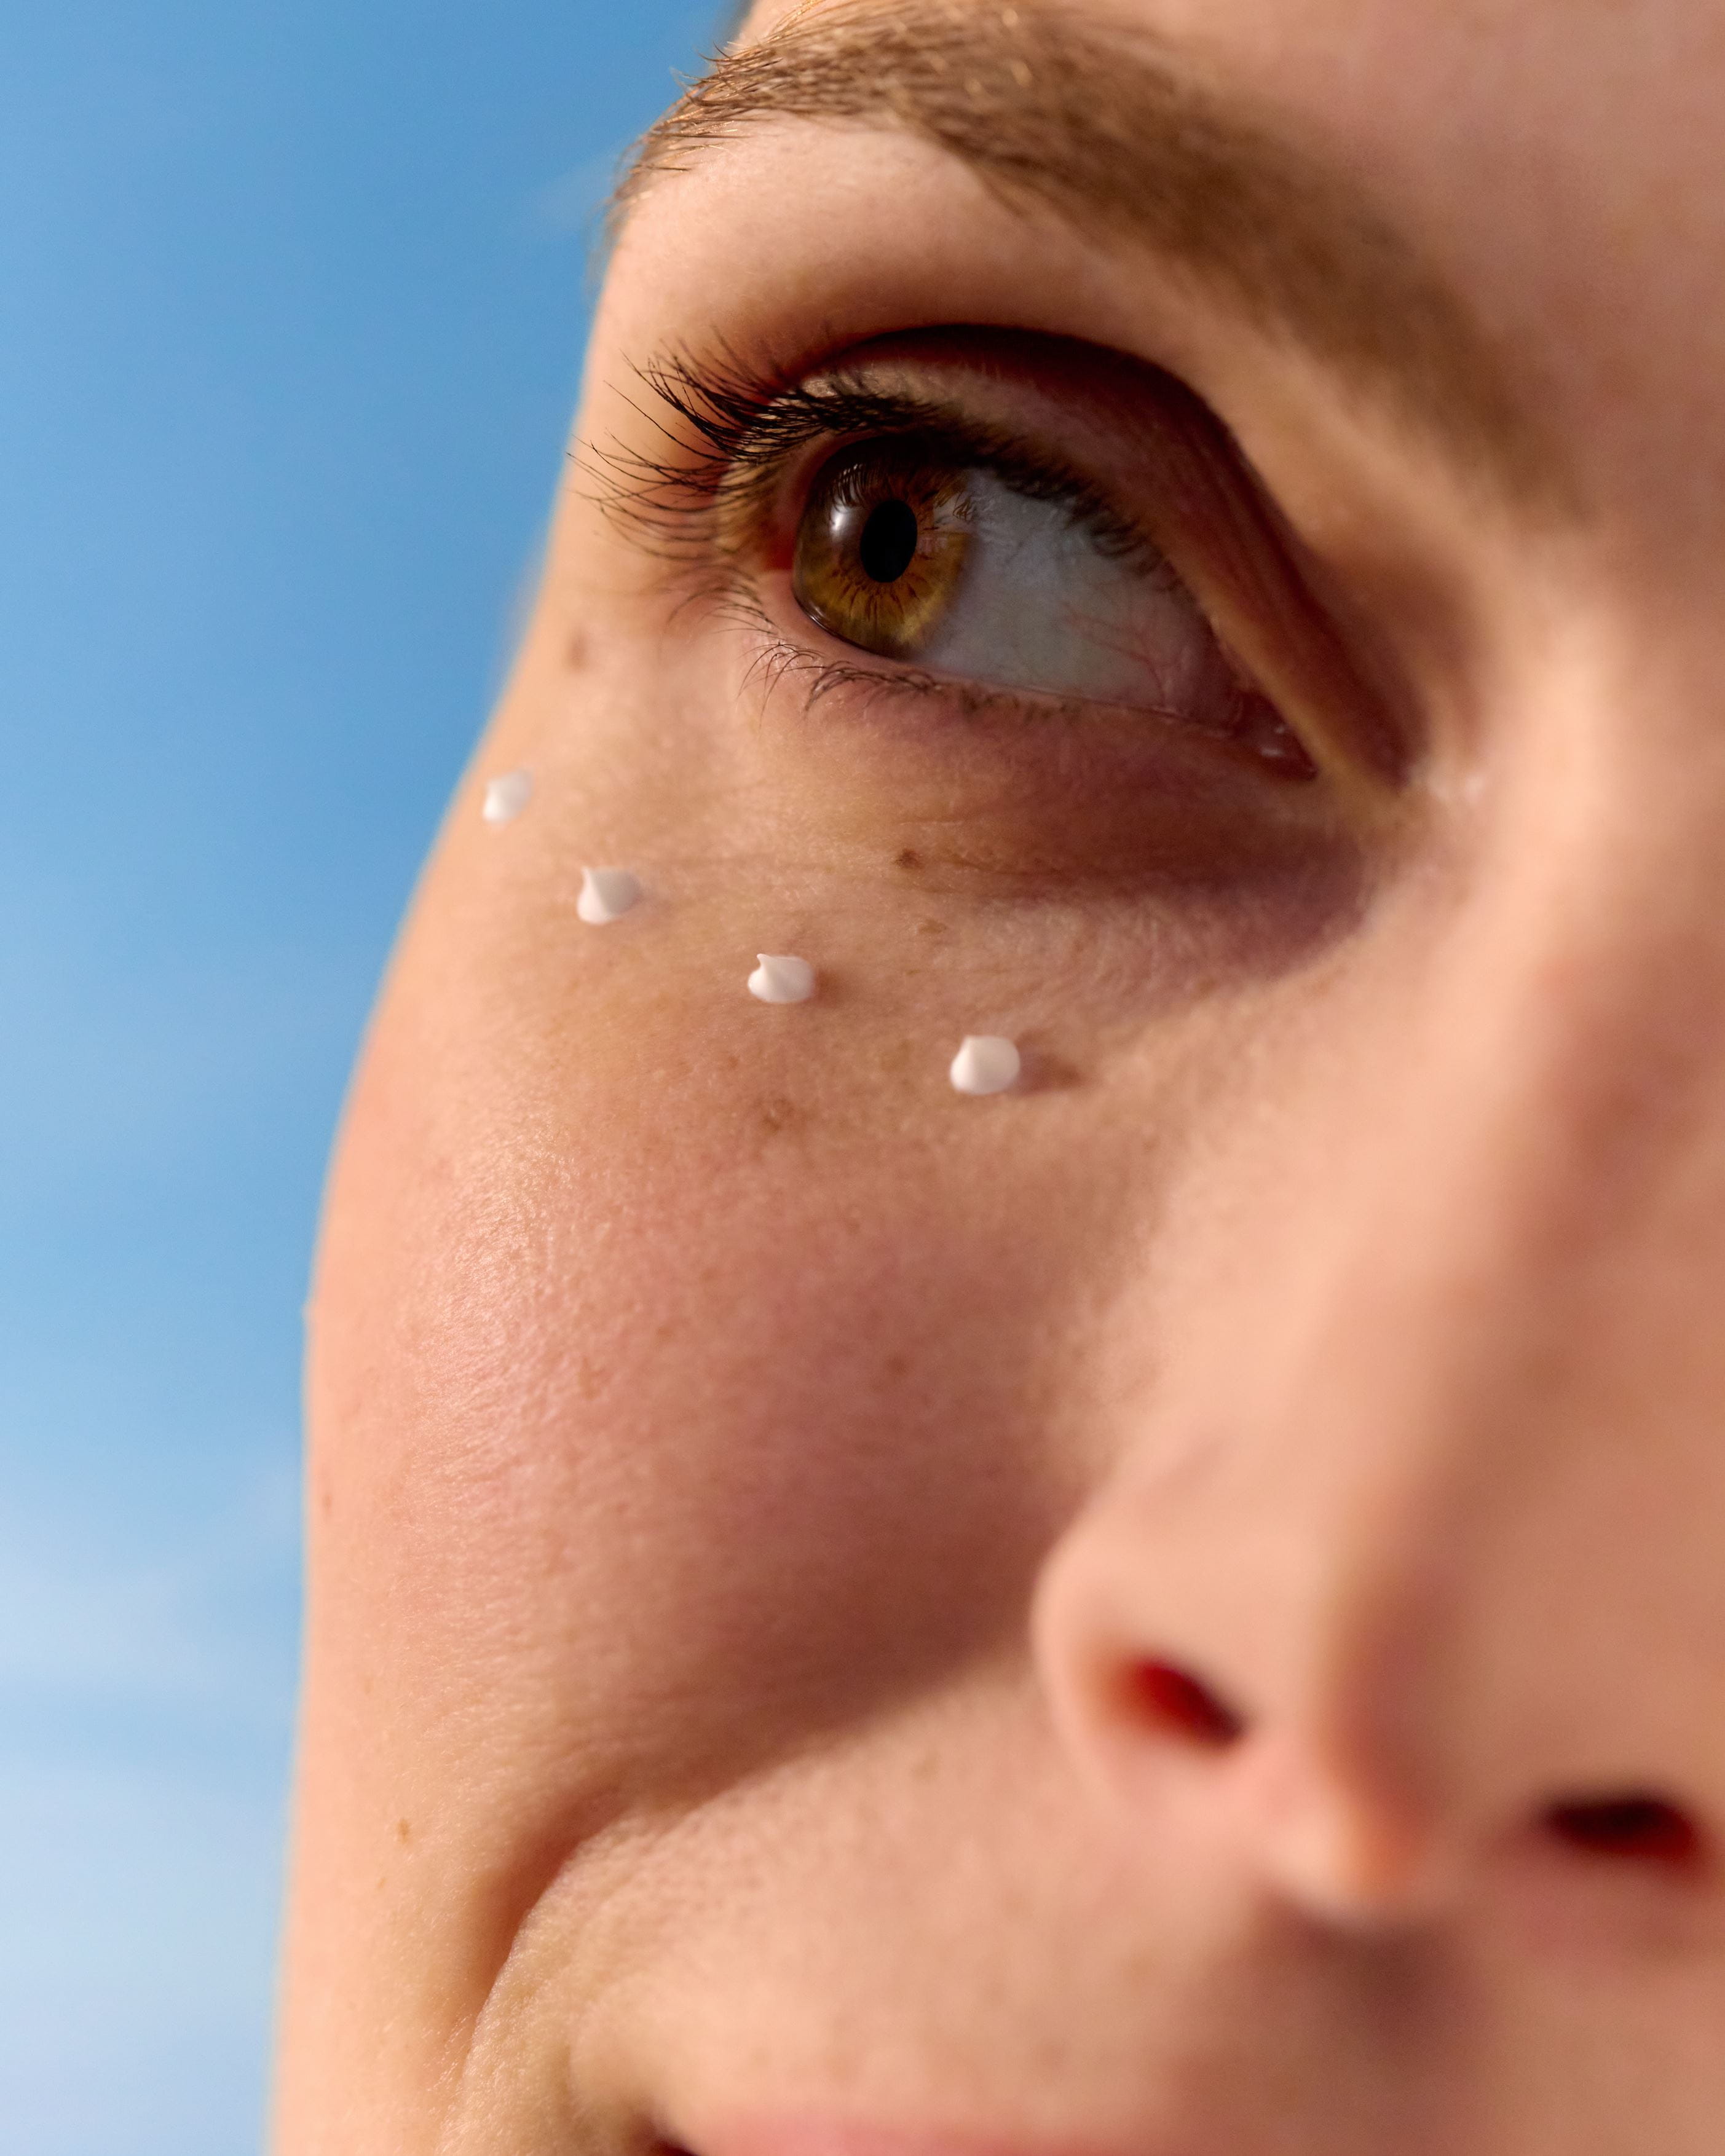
x=661, y=1420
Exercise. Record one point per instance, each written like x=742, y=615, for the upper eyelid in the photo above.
x=730, y=440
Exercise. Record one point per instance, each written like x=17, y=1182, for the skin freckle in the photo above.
x=775, y=1113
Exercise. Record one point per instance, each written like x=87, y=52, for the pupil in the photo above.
x=889, y=542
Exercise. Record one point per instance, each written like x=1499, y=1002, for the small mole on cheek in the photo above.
x=908, y=859
x=403, y=1832
x=775, y=1113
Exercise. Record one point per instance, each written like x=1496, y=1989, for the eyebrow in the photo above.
x=1113, y=130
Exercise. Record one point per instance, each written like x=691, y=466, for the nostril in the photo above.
x=1634, y=1826
x=1184, y=1705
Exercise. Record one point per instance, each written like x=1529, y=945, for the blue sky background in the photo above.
x=292, y=299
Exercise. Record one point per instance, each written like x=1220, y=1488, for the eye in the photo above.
x=906, y=551
x=881, y=549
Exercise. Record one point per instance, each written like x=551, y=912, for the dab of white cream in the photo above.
x=606, y=895
x=506, y=796
x=779, y=980
x=986, y=1063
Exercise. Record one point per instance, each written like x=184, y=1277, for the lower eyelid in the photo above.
x=1261, y=733
x=1105, y=792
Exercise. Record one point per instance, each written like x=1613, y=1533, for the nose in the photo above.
x=1409, y=1579
x=1379, y=1719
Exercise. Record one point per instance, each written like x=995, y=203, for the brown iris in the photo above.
x=881, y=544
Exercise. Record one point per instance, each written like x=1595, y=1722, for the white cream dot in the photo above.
x=606, y=895
x=506, y=796
x=782, y=980
x=986, y=1063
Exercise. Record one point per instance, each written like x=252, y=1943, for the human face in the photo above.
x=1179, y=1609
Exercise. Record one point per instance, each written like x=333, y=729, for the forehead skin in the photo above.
x=743, y=1476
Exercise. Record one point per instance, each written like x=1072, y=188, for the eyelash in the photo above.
x=702, y=506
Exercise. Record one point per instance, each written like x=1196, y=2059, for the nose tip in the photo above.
x=1347, y=1786
x=1142, y=1723
x=1317, y=1836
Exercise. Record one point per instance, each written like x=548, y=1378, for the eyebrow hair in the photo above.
x=1112, y=128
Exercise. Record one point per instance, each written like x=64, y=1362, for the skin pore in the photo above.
x=1176, y=1610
